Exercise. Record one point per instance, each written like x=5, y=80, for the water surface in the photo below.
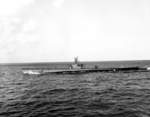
x=78, y=95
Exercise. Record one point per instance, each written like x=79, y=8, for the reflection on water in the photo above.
x=93, y=94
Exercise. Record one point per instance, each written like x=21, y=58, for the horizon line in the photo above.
x=39, y=62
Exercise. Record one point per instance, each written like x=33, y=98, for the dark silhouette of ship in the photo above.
x=77, y=68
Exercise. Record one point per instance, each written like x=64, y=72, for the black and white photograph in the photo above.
x=74, y=58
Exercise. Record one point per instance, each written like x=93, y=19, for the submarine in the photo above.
x=78, y=68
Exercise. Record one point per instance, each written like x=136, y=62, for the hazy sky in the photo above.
x=59, y=30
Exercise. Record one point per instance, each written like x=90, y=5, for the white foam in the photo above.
x=31, y=72
x=148, y=68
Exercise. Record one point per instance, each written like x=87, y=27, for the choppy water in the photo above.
x=83, y=95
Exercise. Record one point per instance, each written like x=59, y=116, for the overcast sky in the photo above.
x=59, y=30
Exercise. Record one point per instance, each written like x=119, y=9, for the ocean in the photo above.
x=74, y=95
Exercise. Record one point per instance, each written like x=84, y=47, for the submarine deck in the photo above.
x=78, y=71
